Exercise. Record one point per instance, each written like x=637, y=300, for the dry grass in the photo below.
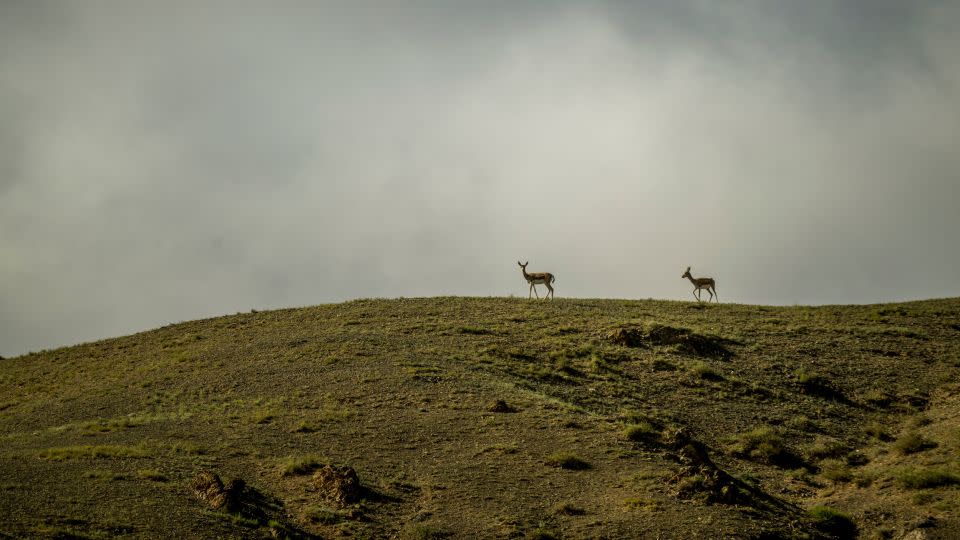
x=400, y=390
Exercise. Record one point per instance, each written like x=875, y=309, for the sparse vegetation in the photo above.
x=642, y=432
x=824, y=448
x=836, y=470
x=817, y=384
x=449, y=409
x=704, y=371
x=568, y=509
x=93, y=452
x=762, y=444
x=833, y=521
x=300, y=465
x=152, y=475
x=878, y=431
x=926, y=478
x=911, y=443
x=326, y=516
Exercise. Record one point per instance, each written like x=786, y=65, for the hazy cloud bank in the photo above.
x=162, y=162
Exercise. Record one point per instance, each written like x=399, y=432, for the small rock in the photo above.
x=338, y=484
x=208, y=487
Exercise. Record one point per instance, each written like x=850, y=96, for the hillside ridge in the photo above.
x=495, y=417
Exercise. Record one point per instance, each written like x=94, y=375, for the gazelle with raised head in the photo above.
x=537, y=278
x=702, y=283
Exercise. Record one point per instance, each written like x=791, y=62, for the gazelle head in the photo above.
x=686, y=274
x=524, y=265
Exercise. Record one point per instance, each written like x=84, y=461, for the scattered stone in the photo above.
x=338, y=484
x=208, y=487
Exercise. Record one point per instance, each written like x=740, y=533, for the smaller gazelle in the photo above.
x=702, y=283
x=537, y=278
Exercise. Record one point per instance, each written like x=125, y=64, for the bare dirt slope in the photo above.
x=494, y=418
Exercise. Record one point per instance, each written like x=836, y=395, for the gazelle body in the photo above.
x=702, y=283
x=537, y=278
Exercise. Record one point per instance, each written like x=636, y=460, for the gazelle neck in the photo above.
x=690, y=277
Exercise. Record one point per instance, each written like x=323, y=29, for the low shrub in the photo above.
x=833, y=521
x=911, y=443
x=642, y=432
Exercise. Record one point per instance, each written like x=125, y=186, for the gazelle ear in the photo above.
x=518, y=262
x=688, y=269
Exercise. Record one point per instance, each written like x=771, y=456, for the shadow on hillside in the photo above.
x=684, y=340
x=701, y=478
x=255, y=507
x=817, y=385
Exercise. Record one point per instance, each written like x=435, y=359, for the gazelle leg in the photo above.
x=695, y=295
x=715, y=295
x=534, y=285
x=550, y=291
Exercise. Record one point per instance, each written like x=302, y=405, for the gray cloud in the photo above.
x=162, y=162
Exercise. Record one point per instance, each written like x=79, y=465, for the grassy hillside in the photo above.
x=617, y=419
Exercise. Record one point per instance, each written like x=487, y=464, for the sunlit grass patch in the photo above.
x=152, y=474
x=644, y=431
x=836, y=470
x=824, y=448
x=93, y=452
x=636, y=503
x=704, y=371
x=833, y=521
x=294, y=466
x=911, y=443
x=916, y=478
x=762, y=444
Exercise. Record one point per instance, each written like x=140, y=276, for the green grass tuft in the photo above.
x=833, y=521
x=295, y=466
x=911, y=443
x=93, y=452
x=642, y=432
x=152, y=475
x=926, y=478
x=762, y=444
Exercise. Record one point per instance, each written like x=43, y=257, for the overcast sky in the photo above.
x=168, y=161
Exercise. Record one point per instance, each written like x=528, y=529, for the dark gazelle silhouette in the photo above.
x=702, y=283
x=537, y=278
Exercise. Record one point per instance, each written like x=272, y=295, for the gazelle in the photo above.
x=702, y=283
x=538, y=278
